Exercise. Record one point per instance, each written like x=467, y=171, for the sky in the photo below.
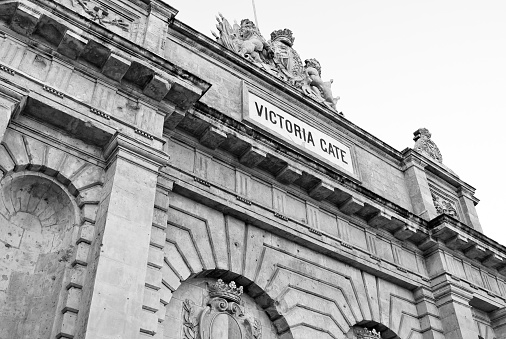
x=399, y=65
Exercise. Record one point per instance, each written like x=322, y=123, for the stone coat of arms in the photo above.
x=277, y=56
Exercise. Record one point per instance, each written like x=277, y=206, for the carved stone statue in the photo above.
x=424, y=145
x=277, y=57
x=245, y=39
x=315, y=86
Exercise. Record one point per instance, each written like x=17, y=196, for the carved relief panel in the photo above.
x=120, y=18
x=445, y=202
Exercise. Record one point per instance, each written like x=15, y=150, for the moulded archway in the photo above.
x=208, y=307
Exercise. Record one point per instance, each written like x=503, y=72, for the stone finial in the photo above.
x=425, y=145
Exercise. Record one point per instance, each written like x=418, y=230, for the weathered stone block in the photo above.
x=351, y=206
x=212, y=137
x=154, y=278
x=115, y=67
x=288, y=175
x=158, y=237
x=493, y=260
x=68, y=326
x=151, y=300
x=155, y=257
x=475, y=251
x=148, y=321
x=252, y=157
x=50, y=30
x=139, y=74
x=165, y=296
x=86, y=233
x=405, y=232
x=77, y=277
x=81, y=254
x=72, y=45
x=95, y=53
x=89, y=213
x=73, y=301
x=157, y=88
x=458, y=242
x=321, y=191
x=25, y=19
x=183, y=95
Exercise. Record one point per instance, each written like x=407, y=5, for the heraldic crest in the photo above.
x=223, y=317
x=277, y=57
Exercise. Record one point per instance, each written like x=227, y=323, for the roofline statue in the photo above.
x=277, y=57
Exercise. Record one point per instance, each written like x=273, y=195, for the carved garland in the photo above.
x=190, y=321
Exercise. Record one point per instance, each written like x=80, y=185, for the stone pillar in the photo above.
x=455, y=311
x=418, y=187
x=468, y=202
x=498, y=319
x=121, y=250
x=11, y=103
x=428, y=313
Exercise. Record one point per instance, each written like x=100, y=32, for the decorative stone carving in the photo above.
x=364, y=333
x=277, y=57
x=190, y=320
x=443, y=205
x=100, y=14
x=424, y=145
x=224, y=316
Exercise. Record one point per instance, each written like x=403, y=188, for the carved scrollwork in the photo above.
x=277, y=57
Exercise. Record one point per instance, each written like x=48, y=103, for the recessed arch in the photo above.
x=192, y=297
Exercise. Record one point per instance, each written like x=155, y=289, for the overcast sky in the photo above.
x=399, y=65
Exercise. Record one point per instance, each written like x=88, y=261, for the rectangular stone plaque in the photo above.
x=283, y=124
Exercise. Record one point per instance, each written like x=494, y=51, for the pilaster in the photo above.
x=11, y=103
x=468, y=202
x=122, y=246
x=498, y=319
x=456, y=313
x=428, y=312
x=418, y=188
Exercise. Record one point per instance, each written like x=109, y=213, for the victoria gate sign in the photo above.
x=266, y=115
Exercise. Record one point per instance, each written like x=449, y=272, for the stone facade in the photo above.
x=137, y=200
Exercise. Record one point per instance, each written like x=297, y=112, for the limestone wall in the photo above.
x=378, y=172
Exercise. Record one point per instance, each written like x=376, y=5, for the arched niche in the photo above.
x=38, y=226
x=209, y=308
